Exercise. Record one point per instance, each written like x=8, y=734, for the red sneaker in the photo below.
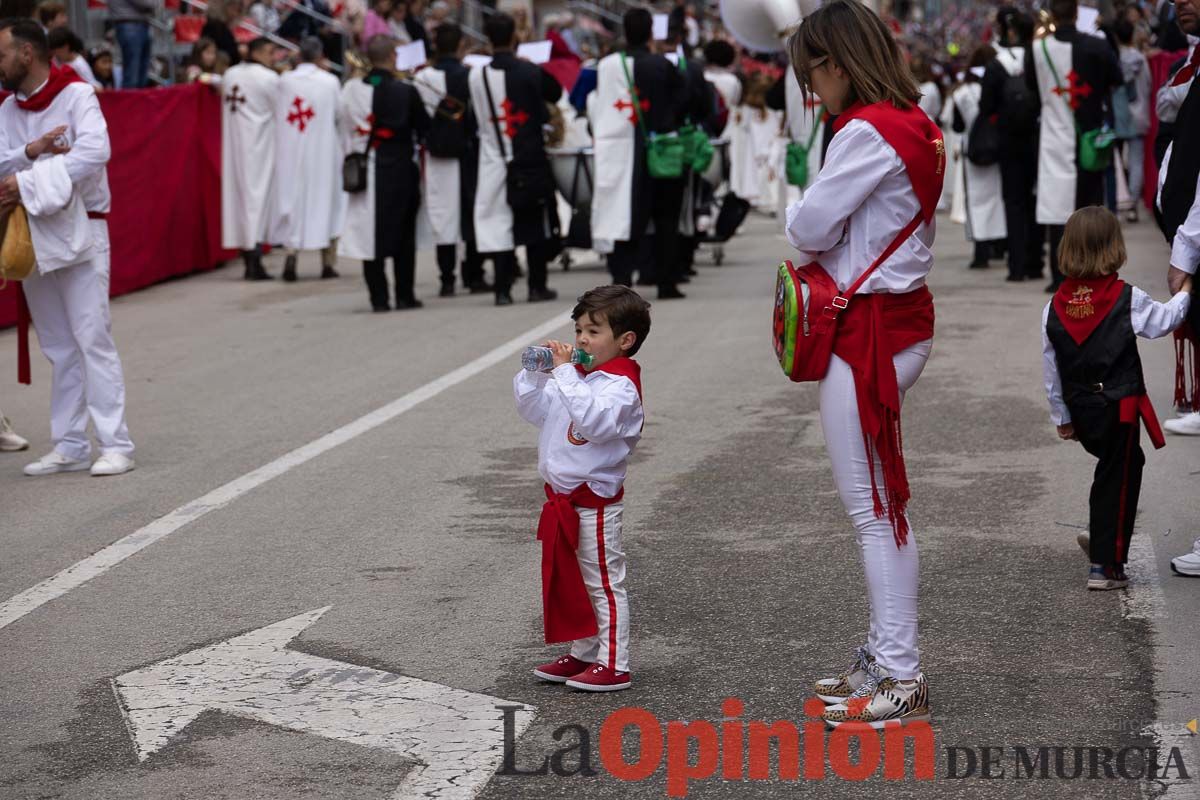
x=599, y=678
x=562, y=670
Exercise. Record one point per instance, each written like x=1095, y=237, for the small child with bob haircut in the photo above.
x=1094, y=379
x=591, y=420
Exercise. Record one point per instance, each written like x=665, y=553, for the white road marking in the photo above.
x=455, y=737
x=102, y=561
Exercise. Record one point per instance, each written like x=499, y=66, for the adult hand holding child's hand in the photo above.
x=1066, y=432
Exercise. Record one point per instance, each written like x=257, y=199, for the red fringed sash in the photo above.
x=870, y=333
x=1187, y=368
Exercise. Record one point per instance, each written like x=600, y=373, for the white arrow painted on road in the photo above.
x=455, y=737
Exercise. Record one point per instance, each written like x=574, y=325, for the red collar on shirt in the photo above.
x=620, y=365
x=915, y=138
x=1081, y=305
x=60, y=78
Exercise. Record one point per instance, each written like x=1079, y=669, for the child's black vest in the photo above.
x=1106, y=367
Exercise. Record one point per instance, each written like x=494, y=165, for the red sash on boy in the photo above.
x=875, y=327
x=1081, y=305
x=567, y=612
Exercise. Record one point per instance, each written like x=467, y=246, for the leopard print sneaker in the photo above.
x=836, y=690
x=882, y=700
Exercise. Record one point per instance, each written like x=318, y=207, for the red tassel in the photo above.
x=1187, y=389
x=24, y=371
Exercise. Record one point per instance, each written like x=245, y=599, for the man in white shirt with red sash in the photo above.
x=53, y=150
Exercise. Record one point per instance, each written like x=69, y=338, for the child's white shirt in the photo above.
x=589, y=426
x=1151, y=320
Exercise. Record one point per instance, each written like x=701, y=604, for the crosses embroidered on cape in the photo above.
x=1080, y=305
x=299, y=115
x=235, y=98
x=513, y=118
x=1077, y=89
x=622, y=105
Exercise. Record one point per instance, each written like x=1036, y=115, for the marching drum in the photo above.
x=574, y=168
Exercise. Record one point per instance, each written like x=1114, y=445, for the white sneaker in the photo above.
x=883, y=700
x=1188, y=565
x=1184, y=426
x=112, y=464
x=10, y=442
x=53, y=463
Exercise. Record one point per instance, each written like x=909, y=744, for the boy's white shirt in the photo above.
x=1151, y=320
x=601, y=409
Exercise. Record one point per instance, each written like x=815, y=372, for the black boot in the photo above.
x=254, y=267
x=289, y=269
x=328, y=272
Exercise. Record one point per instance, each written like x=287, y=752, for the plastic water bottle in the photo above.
x=536, y=359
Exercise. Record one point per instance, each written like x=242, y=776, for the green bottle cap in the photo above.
x=585, y=359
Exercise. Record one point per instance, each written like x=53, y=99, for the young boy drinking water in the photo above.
x=591, y=420
x=1094, y=378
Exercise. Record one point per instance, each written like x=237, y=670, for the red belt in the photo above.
x=567, y=612
x=1139, y=405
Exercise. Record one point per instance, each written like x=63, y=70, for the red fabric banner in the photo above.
x=165, y=177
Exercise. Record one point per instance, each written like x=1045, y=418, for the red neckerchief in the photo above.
x=915, y=138
x=1081, y=305
x=60, y=78
x=621, y=365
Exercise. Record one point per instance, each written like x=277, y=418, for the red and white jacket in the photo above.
x=590, y=423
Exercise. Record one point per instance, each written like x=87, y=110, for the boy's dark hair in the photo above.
x=64, y=37
x=639, y=25
x=1064, y=11
x=500, y=28
x=623, y=309
x=720, y=53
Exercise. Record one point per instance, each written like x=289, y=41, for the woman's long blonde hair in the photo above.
x=857, y=40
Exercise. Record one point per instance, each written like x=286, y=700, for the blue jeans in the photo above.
x=134, y=40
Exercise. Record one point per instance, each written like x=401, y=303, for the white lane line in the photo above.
x=100, y=562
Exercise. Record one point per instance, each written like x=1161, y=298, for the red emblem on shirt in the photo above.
x=622, y=105
x=573, y=437
x=299, y=115
x=1076, y=88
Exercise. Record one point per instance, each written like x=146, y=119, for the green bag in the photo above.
x=796, y=166
x=1095, y=147
x=664, y=152
x=705, y=152
x=687, y=136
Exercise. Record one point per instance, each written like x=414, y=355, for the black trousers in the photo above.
x=666, y=204
x=472, y=265
x=1117, y=483
x=536, y=254
x=1018, y=177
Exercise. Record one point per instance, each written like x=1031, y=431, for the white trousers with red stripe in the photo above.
x=602, y=562
x=892, y=572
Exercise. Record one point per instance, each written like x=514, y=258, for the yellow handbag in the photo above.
x=16, y=252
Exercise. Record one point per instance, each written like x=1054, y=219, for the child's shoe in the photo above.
x=1189, y=564
x=1106, y=578
x=882, y=700
x=835, y=690
x=599, y=678
x=562, y=670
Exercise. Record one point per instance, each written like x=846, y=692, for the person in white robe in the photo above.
x=309, y=204
x=53, y=150
x=249, y=94
x=983, y=191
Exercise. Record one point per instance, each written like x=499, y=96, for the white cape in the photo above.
x=984, y=193
x=354, y=124
x=248, y=94
x=441, y=206
x=611, y=110
x=493, y=214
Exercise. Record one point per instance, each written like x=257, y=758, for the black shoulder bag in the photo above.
x=528, y=184
x=355, y=167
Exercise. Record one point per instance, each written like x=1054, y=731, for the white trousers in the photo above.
x=602, y=562
x=70, y=314
x=891, y=572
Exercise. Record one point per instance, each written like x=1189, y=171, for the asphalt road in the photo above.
x=418, y=536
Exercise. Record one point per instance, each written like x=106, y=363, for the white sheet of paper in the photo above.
x=661, y=26
x=476, y=60
x=537, y=52
x=1088, y=21
x=410, y=56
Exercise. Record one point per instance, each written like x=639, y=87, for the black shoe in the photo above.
x=447, y=290
x=410, y=303
x=683, y=279
x=481, y=287
x=380, y=309
x=977, y=265
x=504, y=300
x=542, y=295
x=329, y=272
x=690, y=272
x=289, y=269
x=670, y=294
x=1015, y=279
x=259, y=274
x=647, y=282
